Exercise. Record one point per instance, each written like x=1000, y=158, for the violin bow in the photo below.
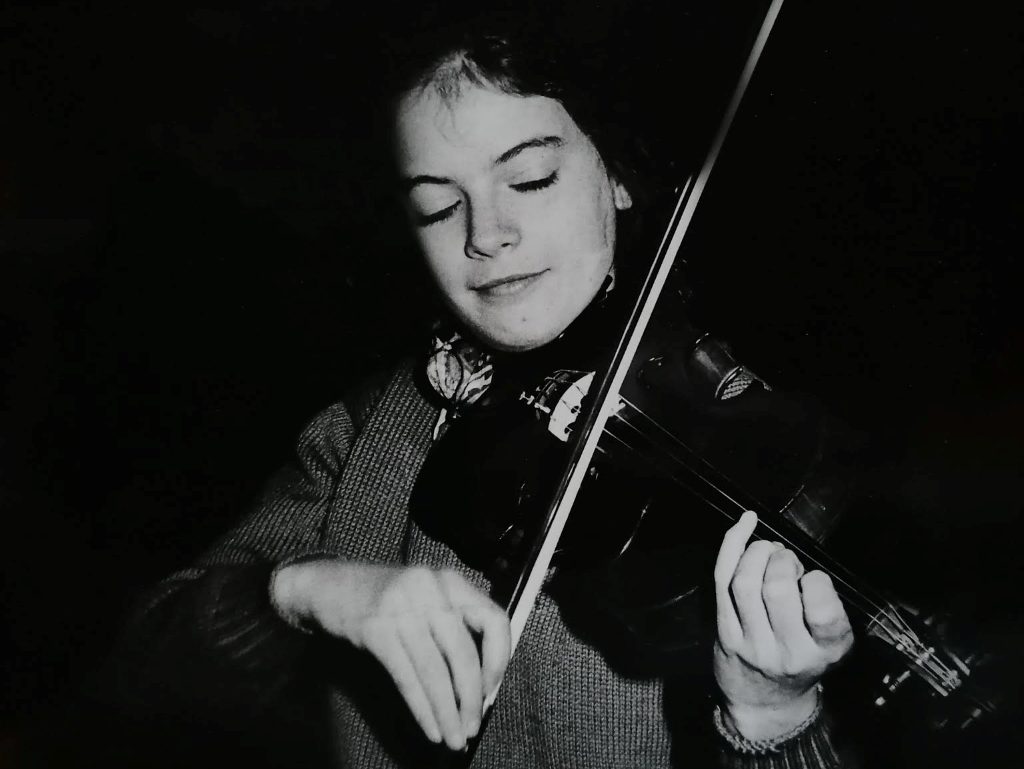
x=592, y=421
x=605, y=401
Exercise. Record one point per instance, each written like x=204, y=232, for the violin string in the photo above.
x=852, y=595
x=816, y=560
x=672, y=437
x=884, y=630
x=929, y=666
x=728, y=514
x=871, y=610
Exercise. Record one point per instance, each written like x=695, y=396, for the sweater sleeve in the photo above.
x=812, y=748
x=208, y=634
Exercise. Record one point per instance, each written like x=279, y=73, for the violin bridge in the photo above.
x=559, y=400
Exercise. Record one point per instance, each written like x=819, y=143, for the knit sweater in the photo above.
x=208, y=633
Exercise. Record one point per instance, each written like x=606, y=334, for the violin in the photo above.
x=650, y=427
x=692, y=440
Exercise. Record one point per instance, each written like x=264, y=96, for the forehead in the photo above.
x=473, y=127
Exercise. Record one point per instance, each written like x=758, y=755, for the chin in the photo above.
x=516, y=345
x=521, y=340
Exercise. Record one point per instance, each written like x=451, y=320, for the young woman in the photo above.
x=516, y=194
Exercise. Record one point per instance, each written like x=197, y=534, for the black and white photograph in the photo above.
x=579, y=384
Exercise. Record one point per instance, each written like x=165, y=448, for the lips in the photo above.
x=508, y=285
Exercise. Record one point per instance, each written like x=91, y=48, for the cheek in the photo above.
x=592, y=239
x=441, y=260
x=581, y=224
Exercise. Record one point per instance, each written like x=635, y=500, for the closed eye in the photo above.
x=536, y=184
x=424, y=220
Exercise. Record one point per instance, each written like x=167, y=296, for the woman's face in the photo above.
x=513, y=208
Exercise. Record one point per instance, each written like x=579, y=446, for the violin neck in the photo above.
x=901, y=631
x=634, y=431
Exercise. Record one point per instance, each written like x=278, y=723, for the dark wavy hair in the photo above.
x=520, y=57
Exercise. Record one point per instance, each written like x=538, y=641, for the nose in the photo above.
x=490, y=230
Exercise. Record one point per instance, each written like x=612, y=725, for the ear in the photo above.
x=621, y=196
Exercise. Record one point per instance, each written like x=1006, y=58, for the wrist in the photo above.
x=773, y=722
x=287, y=587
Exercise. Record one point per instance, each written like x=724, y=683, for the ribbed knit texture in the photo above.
x=560, y=704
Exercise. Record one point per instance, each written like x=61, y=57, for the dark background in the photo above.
x=196, y=257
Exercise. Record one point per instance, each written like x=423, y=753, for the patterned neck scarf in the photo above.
x=458, y=370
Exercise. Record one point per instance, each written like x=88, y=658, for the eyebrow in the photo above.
x=538, y=141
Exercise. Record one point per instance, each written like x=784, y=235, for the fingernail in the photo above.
x=455, y=741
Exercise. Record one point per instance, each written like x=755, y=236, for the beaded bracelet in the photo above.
x=741, y=744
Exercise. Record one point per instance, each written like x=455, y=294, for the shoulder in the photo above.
x=399, y=385
x=402, y=384
x=359, y=400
